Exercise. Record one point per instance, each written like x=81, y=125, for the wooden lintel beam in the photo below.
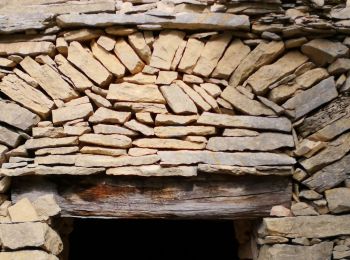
x=202, y=197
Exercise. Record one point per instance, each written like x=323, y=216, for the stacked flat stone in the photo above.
x=256, y=88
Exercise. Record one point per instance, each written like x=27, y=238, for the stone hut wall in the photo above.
x=179, y=88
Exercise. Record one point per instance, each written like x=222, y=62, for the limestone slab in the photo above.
x=70, y=113
x=178, y=101
x=163, y=143
x=239, y=159
x=193, y=50
x=108, y=60
x=17, y=116
x=251, y=122
x=135, y=93
x=168, y=119
x=262, y=142
x=46, y=142
x=232, y=57
x=113, y=129
x=27, y=48
x=49, y=80
x=179, y=131
x=154, y=170
x=9, y=137
x=87, y=160
x=113, y=140
x=128, y=56
x=24, y=94
x=244, y=104
x=88, y=64
x=211, y=54
x=105, y=115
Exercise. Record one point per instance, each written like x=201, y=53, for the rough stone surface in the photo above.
x=178, y=101
x=154, y=170
x=338, y=200
x=113, y=140
x=285, y=252
x=262, y=142
x=27, y=254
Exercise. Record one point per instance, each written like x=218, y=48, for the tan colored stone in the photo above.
x=82, y=35
x=262, y=142
x=56, y=159
x=211, y=54
x=179, y=131
x=3, y=151
x=261, y=55
x=108, y=60
x=138, y=43
x=86, y=160
x=22, y=211
x=178, y=101
x=105, y=115
x=80, y=81
x=27, y=96
x=135, y=151
x=54, y=170
x=17, y=116
x=226, y=105
x=113, y=129
x=98, y=100
x=46, y=142
x=62, y=46
x=28, y=79
x=87, y=64
x=142, y=107
x=233, y=56
x=46, y=206
x=135, y=93
x=197, y=99
x=322, y=250
x=57, y=150
x=102, y=151
x=69, y=113
x=24, y=235
x=138, y=127
x=120, y=31
x=165, y=47
x=245, y=104
x=207, y=98
x=113, y=140
x=166, y=77
x=303, y=209
x=246, y=159
x=308, y=147
x=27, y=48
x=158, y=143
x=178, y=55
x=239, y=132
x=141, y=78
x=189, y=78
x=154, y=170
x=7, y=63
x=49, y=80
x=306, y=101
x=106, y=42
x=269, y=74
x=145, y=118
x=150, y=70
x=251, y=122
x=128, y=56
x=304, y=81
x=338, y=200
x=212, y=89
x=49, y=131
x=76, y=130
x=167, y=119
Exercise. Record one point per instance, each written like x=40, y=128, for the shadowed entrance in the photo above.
x=152, y=239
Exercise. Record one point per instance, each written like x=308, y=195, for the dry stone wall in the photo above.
x=180, y=88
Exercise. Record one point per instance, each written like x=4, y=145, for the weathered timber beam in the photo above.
x=205, y=196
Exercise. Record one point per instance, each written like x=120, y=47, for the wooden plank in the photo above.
x=338, y=108
x=202, y=197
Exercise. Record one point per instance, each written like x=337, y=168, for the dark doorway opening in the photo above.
x=152, y=240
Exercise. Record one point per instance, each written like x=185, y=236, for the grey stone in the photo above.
x=208, y=157
x=262, y=142
x=338, y=199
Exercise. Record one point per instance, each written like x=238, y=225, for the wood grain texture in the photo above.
x=325, y=116
x=202, y=197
